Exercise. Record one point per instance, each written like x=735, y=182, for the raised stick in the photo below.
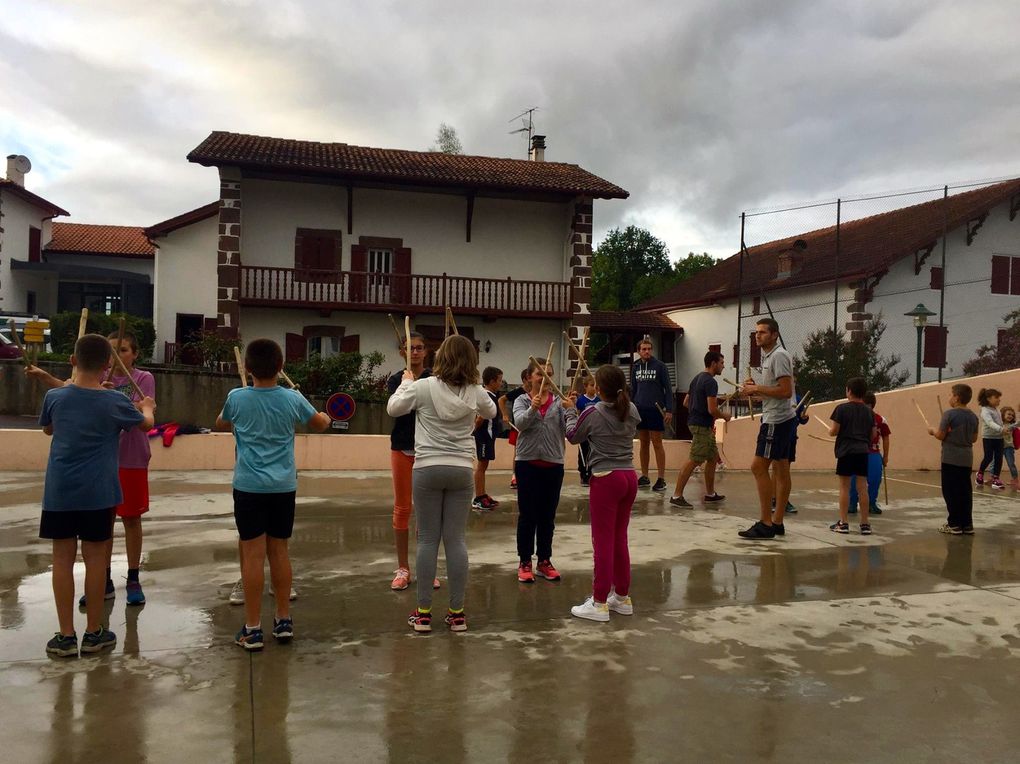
x=446, y=323
x=407, y=343
x=581, y=363
x=120, y=339
x=288, y=380
x=240, y=365
x=923, y=417
x=450, y=319
x=396, y=331
x=750, y=400
x=82, y=322
x=545, y=378
x=126, y=373
x=804, y=403
x=17, y=341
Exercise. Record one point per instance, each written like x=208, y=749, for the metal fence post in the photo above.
x=835, y=292
x=942, y=291
x=740, y=293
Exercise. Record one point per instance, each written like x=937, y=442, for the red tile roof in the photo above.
x=185, y=219
x=625, y=320
x=396, y=166
x=87, y=239
x=11, y=187
x=867, y=247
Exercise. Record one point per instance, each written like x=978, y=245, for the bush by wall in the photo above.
x=351, y=373
x=64, y=330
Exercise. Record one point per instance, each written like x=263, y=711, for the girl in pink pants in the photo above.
x=609, y=428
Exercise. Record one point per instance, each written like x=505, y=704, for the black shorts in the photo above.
x=775, y=441
x=793, y=447
x=271, y=514
x=852, y=464
x=84, y=524
x=485, y=448
x=651, y=419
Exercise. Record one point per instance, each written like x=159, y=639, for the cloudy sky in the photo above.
x=700, y=109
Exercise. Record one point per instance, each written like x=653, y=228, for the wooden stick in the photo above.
x=82, y=322
x=446, y=323
x=804, y=403
x=452, y=321
x=939, y=399
x=582, y=364
x=240, y=366
x=407, y=343
x=17, y=341
x=923, y=417
x=662, y=413
x=288, y=380
x=824, y=440
x=396, y=331
x=545, y=378
x=822, y=422
x=126, y=373
x=750, y=400
x=120, y=339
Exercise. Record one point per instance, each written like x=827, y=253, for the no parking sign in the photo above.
x=340, y=407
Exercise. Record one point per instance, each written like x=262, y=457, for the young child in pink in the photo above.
x=609, y=428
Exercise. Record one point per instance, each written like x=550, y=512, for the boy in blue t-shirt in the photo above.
x=265, y=483
x=486, y=431
x=82, y=487
x=590, y=398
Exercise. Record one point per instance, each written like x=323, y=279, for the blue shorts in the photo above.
x=776, y=441
x=651, y=419
x=485, y=448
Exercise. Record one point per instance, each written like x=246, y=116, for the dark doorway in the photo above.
x=189, y=329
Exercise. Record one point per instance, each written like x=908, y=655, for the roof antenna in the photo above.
x=528, y=125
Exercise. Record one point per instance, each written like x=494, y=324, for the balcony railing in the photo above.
x=412, y=293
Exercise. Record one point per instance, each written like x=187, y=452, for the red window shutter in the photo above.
x=296, y=347
x=736, y=356
x=756, y=305
x=936, y=278
x=1000, y=274
x=34, y=245
x=755, y=352
x=359, y=265
x=935, y=340
x=1014, y=284
x=351, y=343
x=400, y=291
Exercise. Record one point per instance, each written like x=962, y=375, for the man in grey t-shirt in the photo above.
x=778, y=425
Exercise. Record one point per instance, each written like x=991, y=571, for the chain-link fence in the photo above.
x=899, y=288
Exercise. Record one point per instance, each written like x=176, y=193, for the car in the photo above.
x=7, y=348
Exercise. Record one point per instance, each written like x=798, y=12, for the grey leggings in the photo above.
x=442, y=501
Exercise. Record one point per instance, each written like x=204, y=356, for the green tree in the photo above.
x=447, y=141
x=650, y=286
x=621, y=261
x=816, y=371
x=1002, y=356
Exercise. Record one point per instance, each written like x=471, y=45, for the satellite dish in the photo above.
x=21, y=164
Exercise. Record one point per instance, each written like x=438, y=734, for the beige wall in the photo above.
x=910, y=446
x=185, y=278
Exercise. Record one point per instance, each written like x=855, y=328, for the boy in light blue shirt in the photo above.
x=265, y=483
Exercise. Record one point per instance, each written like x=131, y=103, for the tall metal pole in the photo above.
x=835, y=294
x=942, y=291
x=740, y=293
x=917, y=379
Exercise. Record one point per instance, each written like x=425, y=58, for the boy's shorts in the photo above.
x=775, y=441
x=793, y=447
x=703, y=445
x=84, y=524
x=651, y=419
x=852, y=464
x=485, y=448
x=134, y=484
x=271, y=514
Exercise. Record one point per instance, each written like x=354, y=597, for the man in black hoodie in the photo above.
x=651, y=392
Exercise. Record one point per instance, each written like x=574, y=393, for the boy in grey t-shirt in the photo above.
x=958, y=431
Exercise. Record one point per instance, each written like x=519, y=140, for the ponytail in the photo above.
x=613, y=388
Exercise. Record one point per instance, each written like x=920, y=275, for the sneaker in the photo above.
x=585, y=484
x=524, y=574
x=401, y=579
x=249, y=640
x=435, y=583
x=621, y=605
x=874, y=510
x=644, y=482
x=492, y=502
x=660, y=485
x=479, y=502
x=135, y=595
x=63, y=646
x=283, y=629
x=292, y=597
x=237, y=593
x=592, y=610
x=865, y=529
x=968, y=530
x=952, y=530
x=456, y=621
x=759, y=531
x=513, y=483
x=680, y=501
x=779, y=529
x=840, y=527
x=109, y=594
x=419, y=621
x=714, y=498
x=100, y=639
x=979, y=478
x=790, y=509
x=852, y=510
x=547, y=571
x=997, y=484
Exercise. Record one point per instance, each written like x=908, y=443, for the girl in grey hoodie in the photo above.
x=446, y=405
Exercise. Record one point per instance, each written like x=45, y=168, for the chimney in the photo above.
x=17, y=166
x=537, y=153
x=789, y=263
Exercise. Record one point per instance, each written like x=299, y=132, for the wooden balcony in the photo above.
x=264, y=286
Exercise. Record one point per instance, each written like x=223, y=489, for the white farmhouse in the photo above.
x=887, y=264
x=312, y=244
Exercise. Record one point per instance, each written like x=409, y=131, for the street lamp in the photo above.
x=920, y=315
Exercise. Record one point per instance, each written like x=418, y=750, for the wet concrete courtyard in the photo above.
x=903, y=646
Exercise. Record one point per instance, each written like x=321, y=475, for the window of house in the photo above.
x=99, y=298
x=716, y=348
x=1005, y=275
x=325, y=347
x=34, y=245
x=30, y=302
x=316, y=253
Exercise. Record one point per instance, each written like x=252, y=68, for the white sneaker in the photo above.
x=621, y=605
x=237, y=593
x=293, y=594
x=592, y=610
